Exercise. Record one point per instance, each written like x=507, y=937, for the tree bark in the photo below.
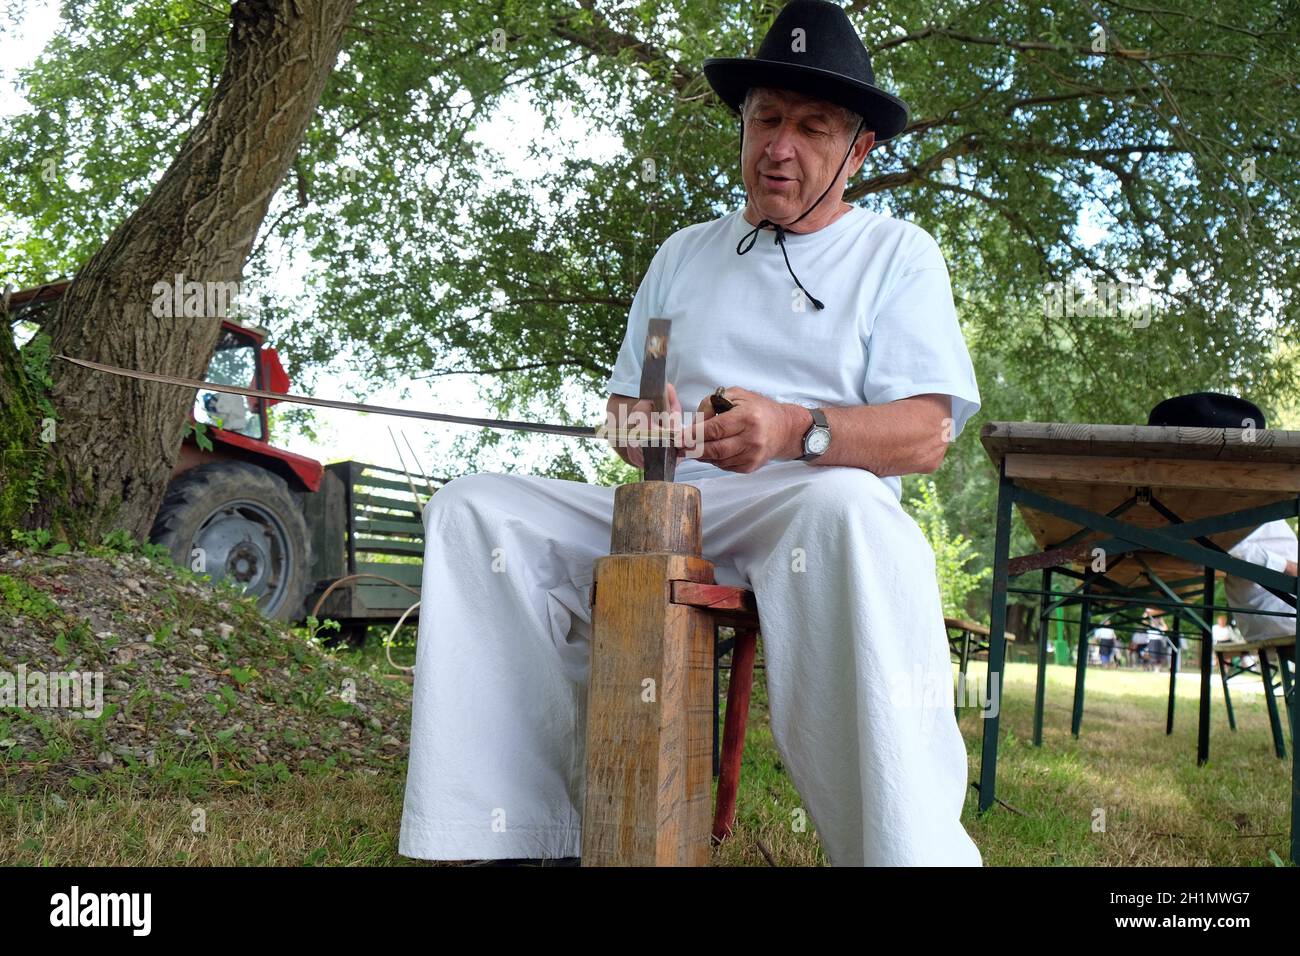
x=118, y=439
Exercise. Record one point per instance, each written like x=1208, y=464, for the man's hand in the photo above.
x=632, y=452
x=750, y=435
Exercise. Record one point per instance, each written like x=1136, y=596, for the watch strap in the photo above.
x=819, y=421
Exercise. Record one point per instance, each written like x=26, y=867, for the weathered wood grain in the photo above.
x=1194, y=472
x=649, y=713
x=1145, y=441
x=651, y=516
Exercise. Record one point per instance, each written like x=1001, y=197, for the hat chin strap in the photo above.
x=749, y=238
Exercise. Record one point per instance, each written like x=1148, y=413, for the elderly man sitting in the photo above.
x=844, y=376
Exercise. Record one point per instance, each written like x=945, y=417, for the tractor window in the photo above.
x=233, y=363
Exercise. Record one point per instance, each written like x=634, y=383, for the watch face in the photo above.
x=819, y=441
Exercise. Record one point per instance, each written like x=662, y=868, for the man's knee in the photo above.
x=857, y=502
x=465, y=495
x=848, y=494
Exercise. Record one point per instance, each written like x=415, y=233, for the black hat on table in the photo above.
x=827, y=61
x=1207, y=410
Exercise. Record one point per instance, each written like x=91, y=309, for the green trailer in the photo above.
x=367, y=544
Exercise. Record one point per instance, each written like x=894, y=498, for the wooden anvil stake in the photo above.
x=649, y=703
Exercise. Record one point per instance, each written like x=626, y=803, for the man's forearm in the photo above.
x=906, y=437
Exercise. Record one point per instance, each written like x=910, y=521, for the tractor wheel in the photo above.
x=239, y=523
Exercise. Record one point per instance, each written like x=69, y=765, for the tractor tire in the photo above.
x=249, y=528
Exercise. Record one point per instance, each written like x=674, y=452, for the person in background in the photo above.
x=1157, y=643
x=1105, y=640
x=1273, y=544
x=1222, y=632
x=1137, y=646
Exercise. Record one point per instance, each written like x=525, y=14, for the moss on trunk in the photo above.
x=32, y=493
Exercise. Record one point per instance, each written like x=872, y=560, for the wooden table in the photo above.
x=1139, y=516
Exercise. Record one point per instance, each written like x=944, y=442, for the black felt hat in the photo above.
x=1207, y=410
x=827, y=61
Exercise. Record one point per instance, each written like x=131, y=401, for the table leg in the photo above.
x=1274, y=721
x=997, y=642
x=1040, y=691
x=1175, y=656
x=1207, y=653
x=1227, y=697
x=1295, y=725
x=961, y=671
x=1081, y=665
x=1288, y=691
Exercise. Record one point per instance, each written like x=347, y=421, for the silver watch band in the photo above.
x=819, y=422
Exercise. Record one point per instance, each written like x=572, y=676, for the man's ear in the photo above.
x=860, y=149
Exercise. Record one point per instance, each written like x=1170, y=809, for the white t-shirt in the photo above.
x=1272, y=544
x=889, y=329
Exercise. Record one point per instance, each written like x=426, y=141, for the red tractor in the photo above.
x=281, y=526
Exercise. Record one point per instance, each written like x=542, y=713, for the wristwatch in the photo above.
x=817, y=438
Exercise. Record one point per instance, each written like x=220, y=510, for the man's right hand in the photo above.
x=632, y=452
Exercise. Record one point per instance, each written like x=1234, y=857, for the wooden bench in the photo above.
x=971, y=638
x=1229, y=653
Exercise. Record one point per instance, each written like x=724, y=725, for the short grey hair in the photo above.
x=849, y=120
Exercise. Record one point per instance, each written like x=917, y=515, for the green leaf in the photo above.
x=201, y=436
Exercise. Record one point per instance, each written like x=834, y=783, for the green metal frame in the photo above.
x=1188, y=540
x=1264, y=671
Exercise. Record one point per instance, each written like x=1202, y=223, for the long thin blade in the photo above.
x=573, y=431
x=661, y=461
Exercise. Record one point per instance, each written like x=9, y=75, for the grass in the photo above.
x=1159, y=807
x=321, y=819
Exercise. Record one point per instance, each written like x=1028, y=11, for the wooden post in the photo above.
x=649, y=706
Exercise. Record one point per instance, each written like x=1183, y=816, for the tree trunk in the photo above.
x=118, y=439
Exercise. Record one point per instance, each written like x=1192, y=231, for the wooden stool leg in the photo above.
x=733, y=733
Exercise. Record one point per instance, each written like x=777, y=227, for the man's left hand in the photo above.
x=747, y=437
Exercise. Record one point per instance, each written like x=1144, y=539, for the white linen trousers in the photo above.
x=859, y=678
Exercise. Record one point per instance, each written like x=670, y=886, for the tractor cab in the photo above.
x=236, y=426
x=240, y=359
x=236, y=361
